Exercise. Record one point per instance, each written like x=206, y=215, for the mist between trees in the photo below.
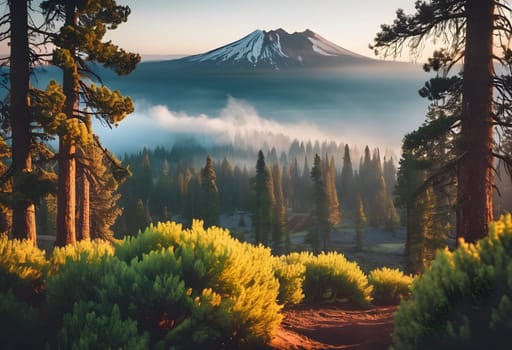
x=176, y=185
x=218, y=184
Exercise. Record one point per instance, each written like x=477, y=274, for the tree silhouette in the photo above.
x=209, y=195
x=79, y=40
x=468, y=28
x=263, y=204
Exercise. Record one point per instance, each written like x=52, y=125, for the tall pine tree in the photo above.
x=347, y=184
x=280, y=236
x=263, y=203
x=320, y=235
x=468, y=29
x=85, y=23
x=209, y=195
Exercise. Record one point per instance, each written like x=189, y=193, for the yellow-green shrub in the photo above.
x=86, y=249
x=290, y=270
x=192, y=288
x=135, y=246
x=22, y=268
x=389, y=286
x=84, y=328
x=463, y=300
x=331, y=276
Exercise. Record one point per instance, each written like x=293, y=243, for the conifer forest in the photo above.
x=238, y=230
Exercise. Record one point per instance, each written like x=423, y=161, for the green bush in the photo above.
x=135, y=246
x=22, y=269
x=389, y=286
x=85, y=329
x=19, y=325
x=86, y=249
x=330, y=276
x=192, y=288
x=290, y=271
x=464, y=299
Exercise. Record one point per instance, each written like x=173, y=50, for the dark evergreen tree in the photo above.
x=360, y=221
x=389, y=172
x=469, y=28
x=140, y=220
x=347, y=183
x=286, y=184
x=106, y=176
x=332, y=194
x=192, y=196
x=264, y=201
x=295, y=183
x=225, y=183
x=280, y=235
x=80, y=39
x=23, y=207
x=319, y=237
x=209, y=203
x=303, y=197
x=164, y=193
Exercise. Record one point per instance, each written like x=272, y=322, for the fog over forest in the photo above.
x=376, y=106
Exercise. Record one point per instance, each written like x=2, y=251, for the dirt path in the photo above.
x=305, y=327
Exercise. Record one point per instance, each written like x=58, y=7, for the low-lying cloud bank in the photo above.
x=238, y=123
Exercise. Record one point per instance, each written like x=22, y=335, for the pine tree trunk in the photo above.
x=83, y=229
x=24, y=226
x=66, y=195
x=475, y=177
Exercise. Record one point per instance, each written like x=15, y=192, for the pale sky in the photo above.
x=195, y=26
x=183, y=27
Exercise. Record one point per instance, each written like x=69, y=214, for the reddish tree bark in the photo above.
x=23, y=210
x=66, y=194
x=475, y=173
x=84, y=216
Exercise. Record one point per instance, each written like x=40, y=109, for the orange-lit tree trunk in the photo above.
x=66, y=195
x=475, y=174
x=84, y=217
x=23, y=210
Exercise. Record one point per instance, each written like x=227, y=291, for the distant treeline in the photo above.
x=166, y=184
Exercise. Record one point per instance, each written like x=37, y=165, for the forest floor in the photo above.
x=320, y=327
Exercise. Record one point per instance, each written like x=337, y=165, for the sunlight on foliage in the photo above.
x=290, y=270
x=330, y=276
x=463, y=300
x=22, y=266
x=389, y=286
x=198, y=287
x=83, y=250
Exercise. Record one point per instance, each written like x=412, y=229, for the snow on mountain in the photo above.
x=279, y=49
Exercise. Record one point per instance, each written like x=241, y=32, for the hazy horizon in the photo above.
x=160, y=27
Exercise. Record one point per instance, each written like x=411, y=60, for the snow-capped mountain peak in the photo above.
x=278, y=49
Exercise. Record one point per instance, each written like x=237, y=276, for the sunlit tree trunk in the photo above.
x=84, y=217
x=23, y=214
x=66, y=195
x=475, y=177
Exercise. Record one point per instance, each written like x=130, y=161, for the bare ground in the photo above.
x=307, y=327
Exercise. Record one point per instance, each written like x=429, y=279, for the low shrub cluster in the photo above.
x=166, y=288
x=170, y=287
x=330, y=277
x=290, y=270
x=389, y=286
x=22, y=269
x=464, y=300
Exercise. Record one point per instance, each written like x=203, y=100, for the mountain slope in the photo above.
x=279, y=49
